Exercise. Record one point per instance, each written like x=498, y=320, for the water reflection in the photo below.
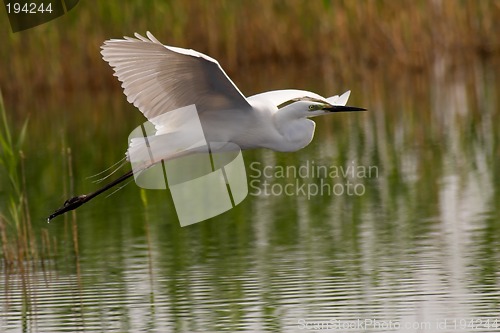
x=421, y=245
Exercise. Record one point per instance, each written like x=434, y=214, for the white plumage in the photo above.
x=157, y=79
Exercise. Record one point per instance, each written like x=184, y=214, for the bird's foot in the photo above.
x=69, y=204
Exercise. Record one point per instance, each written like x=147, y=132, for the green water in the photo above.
x=414, y=247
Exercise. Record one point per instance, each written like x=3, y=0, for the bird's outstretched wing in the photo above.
x=157, y=78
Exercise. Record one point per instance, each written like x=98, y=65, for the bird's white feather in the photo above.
x=158, y=78
x=339, y=100
x=277, y=97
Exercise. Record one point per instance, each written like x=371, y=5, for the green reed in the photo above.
x=19, y=242
x=13, y=214
x=10, y=163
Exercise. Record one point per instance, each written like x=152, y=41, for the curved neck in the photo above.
x=295, y=128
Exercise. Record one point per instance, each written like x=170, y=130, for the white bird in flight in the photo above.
x=157, y=78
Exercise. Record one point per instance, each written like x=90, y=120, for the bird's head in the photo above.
x=312, y=107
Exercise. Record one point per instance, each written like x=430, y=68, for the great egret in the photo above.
x=157, y=78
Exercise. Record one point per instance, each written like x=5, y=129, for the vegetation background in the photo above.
x=425, y=235
x=51, y=70
x=346, y=39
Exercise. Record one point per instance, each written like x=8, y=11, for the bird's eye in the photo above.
x=312, y=107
